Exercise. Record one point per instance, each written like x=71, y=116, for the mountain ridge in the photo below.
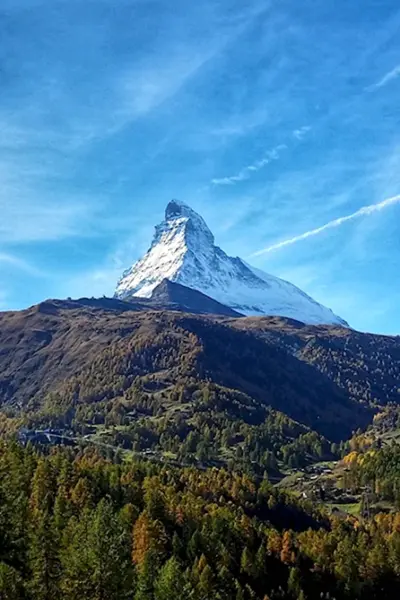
x=73, y=355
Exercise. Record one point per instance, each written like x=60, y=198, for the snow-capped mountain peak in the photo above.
x=184, y=252
x=180, y=215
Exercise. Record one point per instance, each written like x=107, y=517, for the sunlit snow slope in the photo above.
x=183, y=251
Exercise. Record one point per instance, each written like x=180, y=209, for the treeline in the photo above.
x=78, y=526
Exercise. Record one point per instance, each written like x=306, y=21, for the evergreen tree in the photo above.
x=110, y=569
x=146, y=578
x=169, y=584
x=206, y=584
x=294, y=582
x=76, y=557
x=42, y=495
x=247, y=562
x=44, y=559
x=11, y=583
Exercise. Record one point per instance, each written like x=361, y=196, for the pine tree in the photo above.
x=42, y=495
x=82, y=494
x=169, y=582
x=226, y=584
x=294, y=582
x=62, y=509
x=44, y=560
x=96, y=559
x=153, y=498
x=147, y=576
x=239, y=592
x=206, y=585
x=148, y=534
x=260, y=562
x=247, y=562
x=11, y=583
x=177, y=546
x=194, y=547
x=76, y=559
x=110, y=572
x=287, y=552
x=347, y=563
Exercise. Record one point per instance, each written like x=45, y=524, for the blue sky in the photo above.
x=272, y=119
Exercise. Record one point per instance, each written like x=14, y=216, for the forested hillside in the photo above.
x=365, y=366
x=257, y=392
x=177, y=424
x=75, y=525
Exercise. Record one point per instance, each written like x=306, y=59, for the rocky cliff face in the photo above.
x=183, y=251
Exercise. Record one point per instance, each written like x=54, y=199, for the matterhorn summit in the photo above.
x=183, y=251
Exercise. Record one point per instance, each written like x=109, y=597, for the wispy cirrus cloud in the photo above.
x=33, y=205
x=55, y=119
x=245, y=173
x=270, y=156
x=387, y=78
x=140, y=90
x=299, y=134
x=362, y=212
x=20, y=264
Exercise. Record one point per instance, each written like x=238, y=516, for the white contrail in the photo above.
x=365, y=210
